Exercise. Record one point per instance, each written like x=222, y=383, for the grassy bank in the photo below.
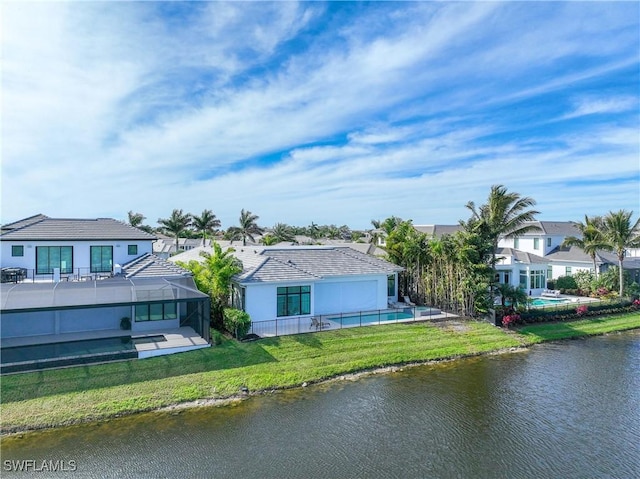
x=51, y=398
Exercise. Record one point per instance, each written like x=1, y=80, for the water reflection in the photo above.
x=560, y=410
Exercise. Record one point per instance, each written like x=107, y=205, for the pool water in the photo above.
x=548, y=302
x=371, y=318
x=89, y=347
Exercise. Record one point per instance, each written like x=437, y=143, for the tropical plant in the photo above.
x=176, y=223
x=592, y=239
x=514, y=295
x=136, y=219
x=237, y=322
x=505, y=215
x=283, y=232
x=213, y=276
x=248, y=227
x=620, y=233
x=269, y=240
x=206, y=224
x=566, y=282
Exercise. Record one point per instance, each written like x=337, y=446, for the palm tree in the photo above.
x=248, y=227
x=283, y=232
x=206, y=223
x=136, y=219
x=592, y=239
x=213, y=276
x=504, y=215
x=620, y=235
x=176, y=223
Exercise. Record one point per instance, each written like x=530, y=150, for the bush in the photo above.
x=582, y=310
x=566, y=282
x=216, y=337
x=510, y=319
x=585, y=280
x=236, y=322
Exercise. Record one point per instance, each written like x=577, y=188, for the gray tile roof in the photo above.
x=521, y=256
x=437, y=231
x=311, y=263
x=149, y=265
x=574, y=254
x=43, y=228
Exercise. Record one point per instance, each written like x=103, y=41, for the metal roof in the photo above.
x=43, y=228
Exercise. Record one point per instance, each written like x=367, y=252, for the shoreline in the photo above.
x=525, y=343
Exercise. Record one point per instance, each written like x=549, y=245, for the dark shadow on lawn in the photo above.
x=308, y=339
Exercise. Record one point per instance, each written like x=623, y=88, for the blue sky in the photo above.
x=333, y=112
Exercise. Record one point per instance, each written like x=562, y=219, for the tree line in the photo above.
x=457, y=271
x=207, y=225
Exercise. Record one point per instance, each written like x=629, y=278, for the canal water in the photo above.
x=564, y=410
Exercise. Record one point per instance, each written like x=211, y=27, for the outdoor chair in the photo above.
x=407, y=301
x=319, y=324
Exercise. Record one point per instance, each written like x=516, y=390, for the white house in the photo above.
x=303, y=281
x=69, y=279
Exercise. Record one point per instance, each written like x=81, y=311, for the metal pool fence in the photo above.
x=328, y=322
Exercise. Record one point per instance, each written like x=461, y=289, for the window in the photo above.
x=548, y=242
x=101, y=259
x=17, y=250
x=155, y=312
x=523, y=280
x=391, y=285
x=294, y=300
x=132, y=249
x=49, y=257
x=550, y=272
x=516, y=243
x=567, y=271
x=538, y=279
x=536, y=243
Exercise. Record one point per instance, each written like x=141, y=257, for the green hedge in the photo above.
x=570, y=313
x=236, y=322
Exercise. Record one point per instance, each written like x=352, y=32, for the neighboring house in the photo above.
x=70, y=249
x=303, y=281
x=165, y=246
x=84, y=276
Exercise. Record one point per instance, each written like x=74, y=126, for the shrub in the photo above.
x=585, y=280
x=582, y=310
x=236, y=322
x=216, y=337
x=566, y=282
x=511, y=319
x=636, y=304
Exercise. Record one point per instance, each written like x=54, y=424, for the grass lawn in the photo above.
x=56, y=397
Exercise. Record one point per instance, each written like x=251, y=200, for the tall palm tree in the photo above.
x=176, y=223
x=592, y=239
x=504, y=215
x=248, y=227
x=620, y=234
x=206, y=223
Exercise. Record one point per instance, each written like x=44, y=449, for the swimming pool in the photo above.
x=40, y=356
x=548, y=302
x=372, y=318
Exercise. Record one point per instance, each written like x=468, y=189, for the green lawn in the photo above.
x=55, y=397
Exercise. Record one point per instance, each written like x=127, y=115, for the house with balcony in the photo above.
x=73, y=280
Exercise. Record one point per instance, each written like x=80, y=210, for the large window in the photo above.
x=536, y=243
x=101, y=259
x=538, y=279
x=132, y=249
x=156, y=312
x=294, y=300
x=49, y=257
x=524, y=284
x=17, y=250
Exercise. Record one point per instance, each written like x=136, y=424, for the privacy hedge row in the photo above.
x=579, y=311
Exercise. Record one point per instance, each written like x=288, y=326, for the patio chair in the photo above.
x=407, y=301
x=319, y=324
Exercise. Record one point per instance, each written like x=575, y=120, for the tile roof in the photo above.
x=149, y=265
x=575, y=254
x=299, y=263
x=43, y=228
x=437, y=231
x=522, y=256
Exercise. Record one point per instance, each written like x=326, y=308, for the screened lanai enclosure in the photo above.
x=32, y=310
